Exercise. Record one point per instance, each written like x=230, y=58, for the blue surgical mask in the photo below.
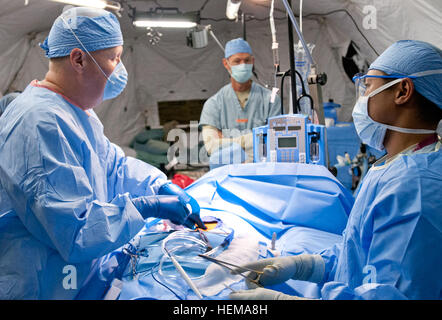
x=116, y=82
x=371, y=132
x=242, y=72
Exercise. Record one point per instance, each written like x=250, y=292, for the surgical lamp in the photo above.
x=99, y=4
x=166, y=18
x=232, y=9
x=198, y=37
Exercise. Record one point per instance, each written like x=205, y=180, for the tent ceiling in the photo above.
x=173, y=71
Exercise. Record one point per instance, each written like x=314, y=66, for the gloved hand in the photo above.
x=166, y=207
x=188, y=201
x=262, y=294
x=306, y=267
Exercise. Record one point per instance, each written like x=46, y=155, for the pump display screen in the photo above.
x=287, y=142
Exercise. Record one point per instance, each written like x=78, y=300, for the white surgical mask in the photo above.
x=371, y=132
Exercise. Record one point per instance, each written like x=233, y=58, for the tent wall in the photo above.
x=172, y=71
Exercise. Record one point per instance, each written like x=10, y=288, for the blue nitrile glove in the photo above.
x=188, y=201
x=166, y=207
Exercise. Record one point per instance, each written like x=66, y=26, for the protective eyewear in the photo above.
x=360, y=84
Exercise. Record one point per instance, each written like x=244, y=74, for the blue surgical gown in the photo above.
x=223, y=110
x=65, y=193
x=391, y=247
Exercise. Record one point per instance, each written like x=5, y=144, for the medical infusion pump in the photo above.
x=290, y=138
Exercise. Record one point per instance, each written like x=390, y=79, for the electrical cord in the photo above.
x=321, y=15
x=282, y=90
x=303, y=92
x=203, y=6
x=251, y=18
x=161, y=283
x=352, y=19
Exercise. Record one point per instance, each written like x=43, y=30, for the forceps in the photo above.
x=230, y=266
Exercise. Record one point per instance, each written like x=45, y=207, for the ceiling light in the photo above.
x=166, y=18
x=232, y=9
x=99, y=4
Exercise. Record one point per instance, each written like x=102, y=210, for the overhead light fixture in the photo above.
x=166, y=18
x=99, y=4
x=232, y=9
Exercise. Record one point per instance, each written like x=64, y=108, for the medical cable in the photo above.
x=184, y=275
x=159, y=282
x=275, y=44
x=198, y=245
x=223, y=245
x=300, y=14
x=304, y=93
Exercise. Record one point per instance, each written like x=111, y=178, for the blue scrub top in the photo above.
x=65, y=196
x=392, y=242
x=223, y=110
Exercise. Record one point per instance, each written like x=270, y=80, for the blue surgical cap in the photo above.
x=408, y=57
x=96, y=29
x=234, y=46
x=6, y=100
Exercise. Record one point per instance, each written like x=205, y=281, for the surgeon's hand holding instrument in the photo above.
x=272, y=271
x=191, y=204
x=253, y=277
x=166, y=207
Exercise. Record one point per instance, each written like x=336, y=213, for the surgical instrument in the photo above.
x=230, y=266
x=223, y=245
x=184, y=274
x=229, y=287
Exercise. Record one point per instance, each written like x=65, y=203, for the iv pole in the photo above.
x=315, y=80
x=296, y=107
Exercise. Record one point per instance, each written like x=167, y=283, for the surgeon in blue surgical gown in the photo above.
x=68, y=196
x=391, y=246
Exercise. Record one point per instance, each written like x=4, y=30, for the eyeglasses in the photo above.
x=361, y=88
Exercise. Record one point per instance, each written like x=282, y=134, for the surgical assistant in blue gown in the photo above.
x=392, y=242
x=391, y=247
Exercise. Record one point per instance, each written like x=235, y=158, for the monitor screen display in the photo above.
x=287, y=142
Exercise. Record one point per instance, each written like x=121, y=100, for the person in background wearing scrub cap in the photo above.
x=68, y=196
x=239, y=106
x=391, y=246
